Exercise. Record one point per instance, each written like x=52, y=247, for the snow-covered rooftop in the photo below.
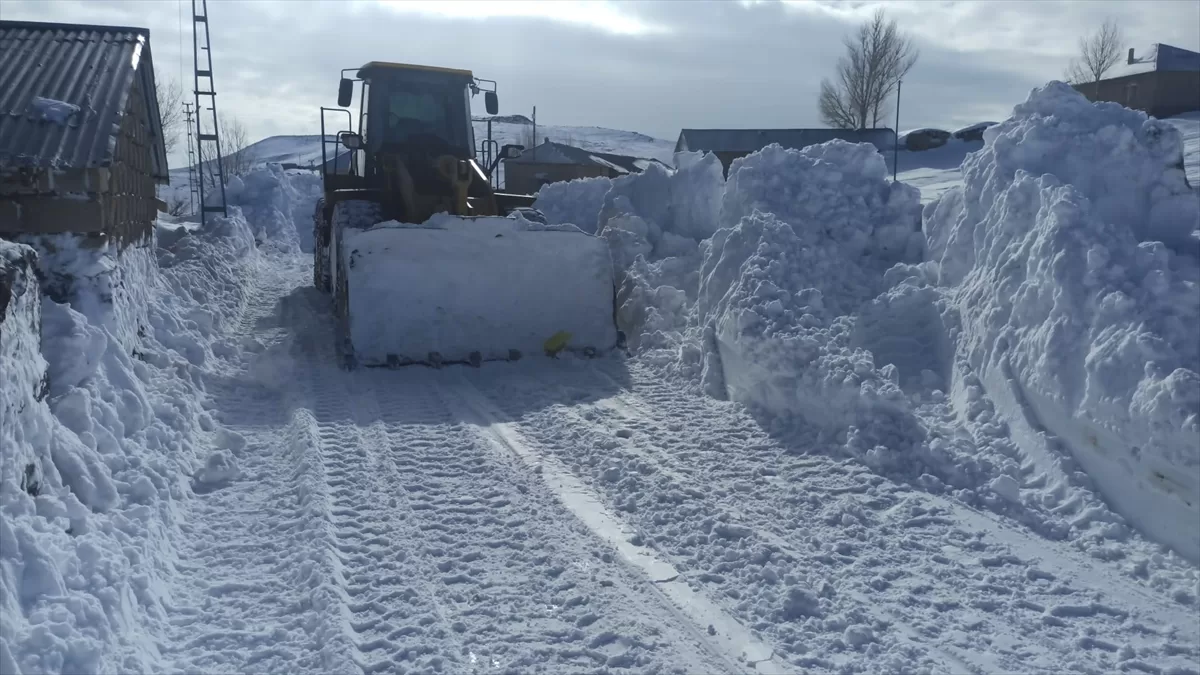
x=1158, y=57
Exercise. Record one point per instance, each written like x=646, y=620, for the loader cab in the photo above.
x=409, y=109
x=417, y=107
x=412, y=148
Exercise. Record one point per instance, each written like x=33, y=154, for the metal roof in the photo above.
x=388, y=65
x=549, y=152
x=1159, y=57
x=89, y=67
x=753, y=140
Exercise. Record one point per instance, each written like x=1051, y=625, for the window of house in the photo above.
x=1130, y=95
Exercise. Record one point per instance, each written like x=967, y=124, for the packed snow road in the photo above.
x=584, y=515
x=381, y=531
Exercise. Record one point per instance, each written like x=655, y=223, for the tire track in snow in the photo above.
x=394, y=617
x=509, y=576
x=929, y=581
x=728, y=638
x=450, y=560
x=238, y=600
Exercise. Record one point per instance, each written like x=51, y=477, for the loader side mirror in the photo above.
x=491, y=102
x=350, y=140
x=512, y=151
x=345, y=92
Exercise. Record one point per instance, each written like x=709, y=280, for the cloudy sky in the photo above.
x=642, y=65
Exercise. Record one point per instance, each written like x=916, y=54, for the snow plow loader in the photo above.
x=428, y=263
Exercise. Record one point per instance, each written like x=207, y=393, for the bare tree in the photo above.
x=876, y=58
x=234, y=141
x=236, y=160
x=1098, y=53
x=169, y=94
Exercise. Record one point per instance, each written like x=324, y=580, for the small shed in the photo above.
x=1162, y=82
x=81, y=139
x=729, y=144
x=552, y=162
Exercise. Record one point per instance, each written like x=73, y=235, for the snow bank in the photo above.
x=489, y=285
x=807, y=238
x=24, y=383
x=1072, y=267
x=1130, y=167
x=278, y=205
x=654, y=223
x=99, y=453
x=101, y=279
x=1055, y=291
x=576, y=202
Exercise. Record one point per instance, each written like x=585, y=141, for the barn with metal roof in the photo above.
x=81, y=139
x=1163, y=81
x=551, y=162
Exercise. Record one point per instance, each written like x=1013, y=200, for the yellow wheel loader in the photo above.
x=426, y=262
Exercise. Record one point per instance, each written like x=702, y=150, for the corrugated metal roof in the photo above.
x=753, y=140
x=550, y=152
x=91, y=67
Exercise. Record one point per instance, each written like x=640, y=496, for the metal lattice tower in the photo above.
x=208, y=142
x=193, y=169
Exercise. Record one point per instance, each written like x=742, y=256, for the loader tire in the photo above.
x=351, y=214
x=321, y=278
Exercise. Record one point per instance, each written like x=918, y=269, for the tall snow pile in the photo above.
x=24, y=383
x=103, y=280
x=278, y=204
x=654, y=223
x=1056, y=291
x=577, y=202
x=806, y=239
x=103, y=431
x=1070, y=256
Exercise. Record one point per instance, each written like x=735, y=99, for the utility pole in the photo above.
x=896, y=138
x=216, y=167
x=193, y=168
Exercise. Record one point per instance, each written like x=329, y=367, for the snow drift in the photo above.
x=653, y=223
x=807, y=236
x=103, y=280
x=1070, y=260
x=278, y=204
x=103, y=425
x=24, y=384
x=577, y=202
x=1026, y=341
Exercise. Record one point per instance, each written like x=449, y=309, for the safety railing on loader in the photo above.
x=332, y=165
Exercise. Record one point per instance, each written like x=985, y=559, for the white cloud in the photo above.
x=598, y=14
x=646, y=66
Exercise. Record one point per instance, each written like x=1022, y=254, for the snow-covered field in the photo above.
x=862, y=427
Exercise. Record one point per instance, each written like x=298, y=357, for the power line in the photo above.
x=180, y=44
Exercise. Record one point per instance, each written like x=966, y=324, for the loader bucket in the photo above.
x=474, y=289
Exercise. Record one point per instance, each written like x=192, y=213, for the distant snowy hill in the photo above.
x=517, y=129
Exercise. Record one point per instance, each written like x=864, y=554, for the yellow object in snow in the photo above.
x=556, y=343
